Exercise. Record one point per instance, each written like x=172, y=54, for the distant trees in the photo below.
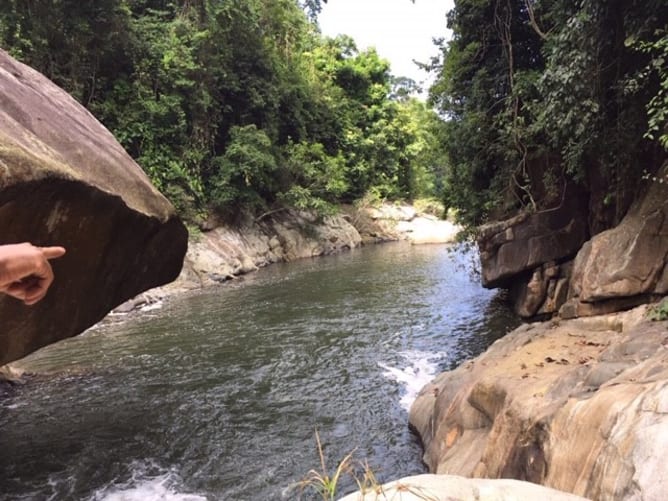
x=234, y=105
x=540, y=93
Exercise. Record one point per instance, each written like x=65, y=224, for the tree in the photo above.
x=230, y=105
x=536, y=96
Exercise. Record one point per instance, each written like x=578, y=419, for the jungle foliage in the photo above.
x=235, y=105
x=539, y=94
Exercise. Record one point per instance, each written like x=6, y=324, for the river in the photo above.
x=217, y=395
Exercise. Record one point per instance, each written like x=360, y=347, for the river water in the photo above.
x=217, y=395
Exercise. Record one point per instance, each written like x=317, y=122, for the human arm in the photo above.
x=25, y=272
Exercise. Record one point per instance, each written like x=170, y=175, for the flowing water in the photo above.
x=217, y=395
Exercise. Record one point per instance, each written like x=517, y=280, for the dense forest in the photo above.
x=235, y=105
x=243, y=105
x=545, y=95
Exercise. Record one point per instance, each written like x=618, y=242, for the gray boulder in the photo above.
x=65, y=180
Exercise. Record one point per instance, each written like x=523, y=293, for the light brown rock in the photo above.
x=579, y=406
x=391, y=222
x=526, y=242
x=428, y=230
x=65, y=180
x=630, y=259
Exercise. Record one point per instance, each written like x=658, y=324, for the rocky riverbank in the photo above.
x=579, y=406
x=224, y=252
x=578, y=403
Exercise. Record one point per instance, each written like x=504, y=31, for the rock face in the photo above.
x=453, y=488
x=535, y=255
x=519, y=245
x=225, y=252
x=64, y=180
x=580, y=406
x=624, y=266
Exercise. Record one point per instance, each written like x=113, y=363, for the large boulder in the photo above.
x=580, y=406
x=65, y=180
x=454, y=488
x=627, y=264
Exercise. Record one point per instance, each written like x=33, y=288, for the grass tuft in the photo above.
x=325, y=485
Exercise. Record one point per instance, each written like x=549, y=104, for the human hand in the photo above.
x=25, y=272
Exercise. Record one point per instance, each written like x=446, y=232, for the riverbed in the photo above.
x=218, y=394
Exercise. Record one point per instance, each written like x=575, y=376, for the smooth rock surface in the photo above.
x=65, y=180
x=390, y=222
x=579, y=406
x=428, y=230
x=630, y=259
x=454, y=488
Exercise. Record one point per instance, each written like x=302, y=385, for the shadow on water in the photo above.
x=218, y=394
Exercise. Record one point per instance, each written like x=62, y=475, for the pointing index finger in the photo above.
x=52, y=252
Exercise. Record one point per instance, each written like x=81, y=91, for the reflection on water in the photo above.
x=217, y=395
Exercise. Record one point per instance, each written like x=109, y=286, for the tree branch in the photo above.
x=532, y=20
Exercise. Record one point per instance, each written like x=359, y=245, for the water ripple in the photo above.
x=218, y=395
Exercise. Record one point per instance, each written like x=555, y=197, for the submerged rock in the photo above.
x=580, y=406
x=65, y=180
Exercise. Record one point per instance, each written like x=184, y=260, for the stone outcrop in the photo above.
x=518, y=246
x=454, y=488
x=227, y=252
x=628, y=264
x=534, y=255
x=65, y=180
x=578, y=405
